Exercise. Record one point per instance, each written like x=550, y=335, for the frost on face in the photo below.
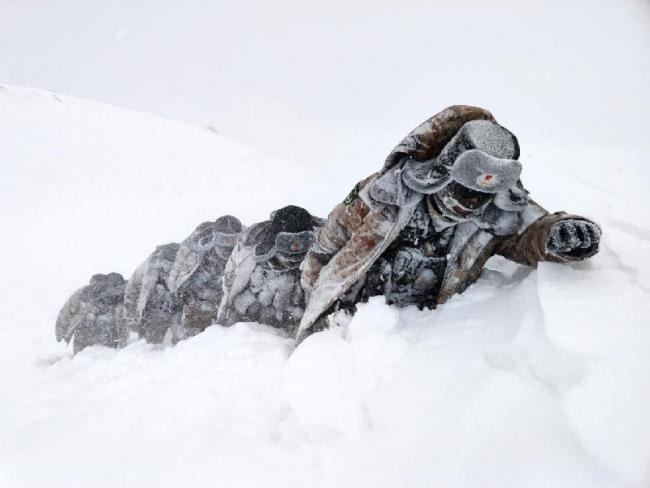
x=93, y=315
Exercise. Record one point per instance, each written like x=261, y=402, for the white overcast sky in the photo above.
x=348, y=79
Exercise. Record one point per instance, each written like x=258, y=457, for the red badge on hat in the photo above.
x=485, y=180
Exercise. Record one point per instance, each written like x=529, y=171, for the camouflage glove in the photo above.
x=574, y=239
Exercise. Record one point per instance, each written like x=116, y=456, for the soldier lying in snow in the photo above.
x=196, y=274
x=177, y=290
x=421, y=230
x=150, y=308
x=262, y=277
x=93, y=314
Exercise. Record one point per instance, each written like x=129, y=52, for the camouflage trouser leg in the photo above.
x=158, y=326
x=347, y=303
x=195, y=320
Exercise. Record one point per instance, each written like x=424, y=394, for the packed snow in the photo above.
x=530, y=378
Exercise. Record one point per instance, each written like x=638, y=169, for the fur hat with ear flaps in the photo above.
x=463, y=144
x=481, y=156
x=228, y=225
x=428, y=139
x=222, y=232
x=291, y=219
x=226, y=233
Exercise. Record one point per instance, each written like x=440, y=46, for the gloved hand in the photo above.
x=574, y=238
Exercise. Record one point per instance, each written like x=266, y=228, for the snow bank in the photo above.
x=531, y=378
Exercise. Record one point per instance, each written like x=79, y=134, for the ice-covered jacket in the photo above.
x=195, y=277
x=150, y=308
x=93, y=315
x=364, y=225
x=260, y=287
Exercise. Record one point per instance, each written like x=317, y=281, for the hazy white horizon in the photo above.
x=344, y=80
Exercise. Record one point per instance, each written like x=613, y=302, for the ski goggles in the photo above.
x=462, y=200
x=294, y=242
x=468, y=198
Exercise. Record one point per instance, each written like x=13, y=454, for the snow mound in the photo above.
x=530, y=378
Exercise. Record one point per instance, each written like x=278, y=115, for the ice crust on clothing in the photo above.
x=196, y=274
x=425, y=177
x=574, y=236
x=150, y=307
x=411, y=270
x=94, y=314
x=273, y=297
x=471, y=166
x=479, y=147
x=502, y=217
x=261, y=281
x=483, y=135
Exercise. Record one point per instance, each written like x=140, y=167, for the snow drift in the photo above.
x=530, y=378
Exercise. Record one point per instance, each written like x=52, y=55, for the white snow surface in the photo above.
x=532, y=377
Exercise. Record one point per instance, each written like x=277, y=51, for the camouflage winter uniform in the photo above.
x=150, y=308
x=93, y=314
x=196, y=275
x=363, y=232
x=262, y=277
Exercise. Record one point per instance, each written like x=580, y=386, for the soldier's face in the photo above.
x=461, y=203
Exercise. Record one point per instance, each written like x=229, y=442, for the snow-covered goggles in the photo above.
x=294, y=242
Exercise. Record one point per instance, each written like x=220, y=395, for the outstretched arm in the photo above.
x=557, y=237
